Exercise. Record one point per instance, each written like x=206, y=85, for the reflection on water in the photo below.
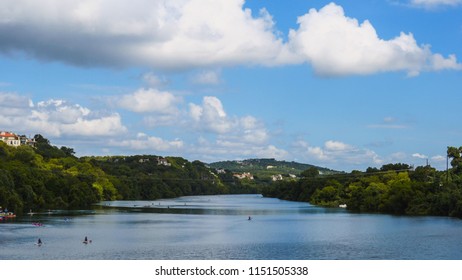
x=217, y=227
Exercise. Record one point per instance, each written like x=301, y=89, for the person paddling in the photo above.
x=39, y=242
x=86, y=241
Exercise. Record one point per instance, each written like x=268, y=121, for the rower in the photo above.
x=86, y=241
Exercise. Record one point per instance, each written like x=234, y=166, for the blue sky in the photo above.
x=345, y=84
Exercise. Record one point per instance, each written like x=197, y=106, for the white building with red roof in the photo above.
x=12, y=139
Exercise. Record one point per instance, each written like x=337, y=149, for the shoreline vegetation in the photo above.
x=48, y=177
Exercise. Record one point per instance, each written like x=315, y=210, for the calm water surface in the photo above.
x=217, y=227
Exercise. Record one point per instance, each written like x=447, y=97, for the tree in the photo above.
x=311, y=172
x=67, y=151
x=456, y=162
x=395, y=167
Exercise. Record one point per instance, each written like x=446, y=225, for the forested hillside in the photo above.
x=48, y=177
x=394, y=188
x=265, y=167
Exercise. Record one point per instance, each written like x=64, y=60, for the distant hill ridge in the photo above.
x=268, y=166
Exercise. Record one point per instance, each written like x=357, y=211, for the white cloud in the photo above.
x=210, y=116
x=418, y=155
x=12, y=104
x=338, y=45
x=161, y=34
x=187, y=34
x=144, y=142
x=335, y=152
x=57, y=118
x=150, y=101
x=229, y=136
x=434, y=3
x=218, y=150
x=337, y=146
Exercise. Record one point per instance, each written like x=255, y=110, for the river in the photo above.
x=218, y=228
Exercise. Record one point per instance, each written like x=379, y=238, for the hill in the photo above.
x=48, y=177
x=268, y=167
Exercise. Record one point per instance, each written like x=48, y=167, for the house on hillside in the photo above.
x=12, y=139
x=277, y=177
x=245, y=175
x=163, y=161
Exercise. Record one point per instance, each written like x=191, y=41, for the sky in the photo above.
x=344, y=85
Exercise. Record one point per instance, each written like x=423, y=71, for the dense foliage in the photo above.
x=394, y=188
x=48, y=177
x=264, y=168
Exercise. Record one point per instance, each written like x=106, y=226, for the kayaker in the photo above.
x=86, y=241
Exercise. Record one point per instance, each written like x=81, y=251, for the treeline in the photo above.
x=48, y=177
x=394, y=188
x=148, y=177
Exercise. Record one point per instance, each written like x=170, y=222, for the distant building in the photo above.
x=245, y=175
x=163, y=161
x=12, y=139
x=276, y=177
x=221, y=171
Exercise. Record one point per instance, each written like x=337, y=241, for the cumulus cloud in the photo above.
x=144, y=142
x=57, y=118
x=337, y=146
x=211, y=116
x=217, y=150
x=150, y=101
x=339, y=45
x=229, y=136
x=156, y=33
x=12, y=104
x=187, y=34
x=336, y=151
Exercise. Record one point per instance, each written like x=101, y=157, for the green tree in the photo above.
x=311, y=172
x=456, y=159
